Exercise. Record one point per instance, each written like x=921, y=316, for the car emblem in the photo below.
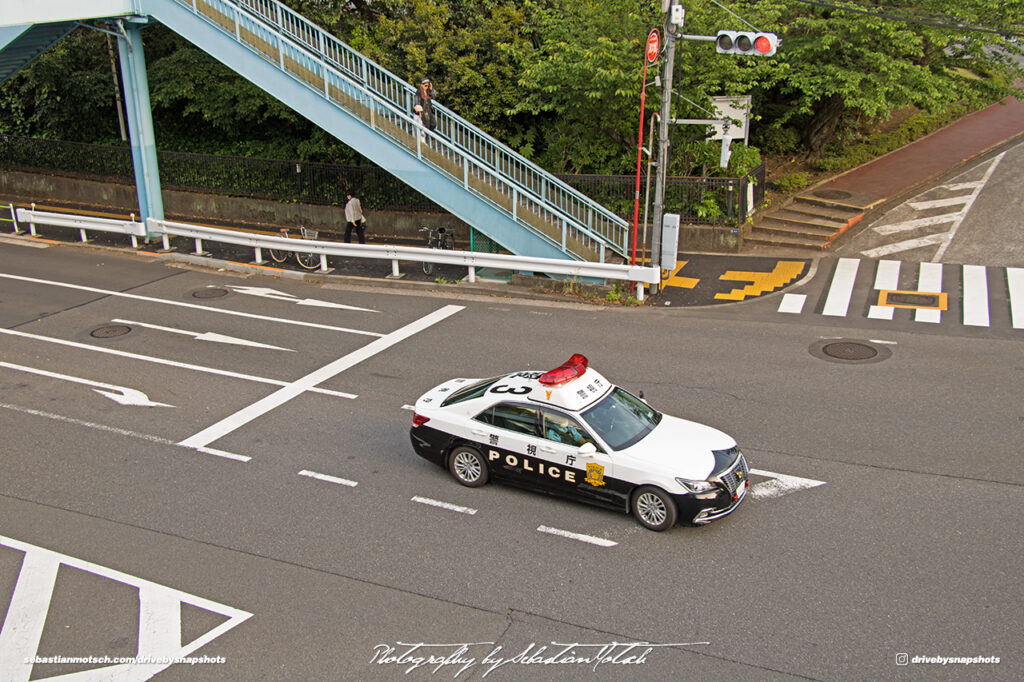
x=739, y=475
x=595, y=474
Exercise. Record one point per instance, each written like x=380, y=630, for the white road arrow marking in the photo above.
x=779, y=485
x=119, y=394
x=276, y=295
x=159, y=619
x=207, y=336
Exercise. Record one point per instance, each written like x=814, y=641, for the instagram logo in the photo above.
x=902, y=659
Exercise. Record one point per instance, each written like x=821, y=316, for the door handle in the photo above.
x=478, y=432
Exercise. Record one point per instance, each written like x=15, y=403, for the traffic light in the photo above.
x=747, y=42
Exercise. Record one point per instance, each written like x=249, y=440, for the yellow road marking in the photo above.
x=761, y=282
x=942, y=299
x=674, y=280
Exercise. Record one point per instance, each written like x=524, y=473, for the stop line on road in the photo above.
x=928, y=301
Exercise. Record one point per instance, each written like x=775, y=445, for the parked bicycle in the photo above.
x=439, y=238
x=309, y=261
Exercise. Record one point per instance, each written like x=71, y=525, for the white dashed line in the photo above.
x=600, y=542
x=444, y=505
x=328, y=479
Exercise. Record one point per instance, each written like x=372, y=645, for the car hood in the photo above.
x=679, y=447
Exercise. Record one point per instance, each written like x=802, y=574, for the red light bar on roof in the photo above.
x=572, y=368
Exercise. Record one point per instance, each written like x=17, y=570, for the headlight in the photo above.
x=696, y=486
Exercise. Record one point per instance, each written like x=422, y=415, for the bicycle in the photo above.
x=438, y=238
x=309, y=261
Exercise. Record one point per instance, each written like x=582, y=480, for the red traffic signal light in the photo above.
x=746, y=42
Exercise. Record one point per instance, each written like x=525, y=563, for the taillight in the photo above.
x=419, y=419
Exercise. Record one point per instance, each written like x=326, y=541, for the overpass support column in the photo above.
x=140, y=118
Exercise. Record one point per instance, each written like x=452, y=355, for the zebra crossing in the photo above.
x=930, y=293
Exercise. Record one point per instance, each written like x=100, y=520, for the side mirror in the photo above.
x=587, y=450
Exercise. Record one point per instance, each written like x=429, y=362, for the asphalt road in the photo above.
x=203, y=513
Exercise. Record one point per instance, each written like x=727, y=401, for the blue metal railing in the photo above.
x=531, y=196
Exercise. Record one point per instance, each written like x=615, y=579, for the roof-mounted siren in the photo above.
x=572, y=368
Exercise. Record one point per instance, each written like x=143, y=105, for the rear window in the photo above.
x=473, y=390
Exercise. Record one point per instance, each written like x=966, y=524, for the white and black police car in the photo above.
x=570, y=432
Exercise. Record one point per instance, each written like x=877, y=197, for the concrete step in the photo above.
x=770, y=226
x=784, y=240
x=839, y=214
x=786, y=215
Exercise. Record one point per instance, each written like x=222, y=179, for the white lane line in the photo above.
x=975, y=302
x=308, y=382
x=193, y=306
x=779, y=485
x=329, y=479
x=206, y=336
x=907, y=225
x=444, y=505
x=1015, y=285
x=838, y=302
x=600, y=542
x=26, y=614
x=906, y=245
x=120, y=432
x=792, y=303
x=886, y=277
x=929, y=280
x=119, y=394
x=169, y=363
x=223, y=453
x=937, y=203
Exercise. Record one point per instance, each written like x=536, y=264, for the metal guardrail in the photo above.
x=471, y=260
x=533, y=197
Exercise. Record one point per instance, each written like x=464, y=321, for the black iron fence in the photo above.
x=711, y=201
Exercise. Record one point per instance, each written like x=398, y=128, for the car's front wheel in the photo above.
x=654, y=509
x=468, y=466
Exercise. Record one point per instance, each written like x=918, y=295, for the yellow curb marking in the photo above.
x=761, y=282
x=674, y=280
x=941, y=299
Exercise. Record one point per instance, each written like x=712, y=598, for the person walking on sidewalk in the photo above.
x=354, y=219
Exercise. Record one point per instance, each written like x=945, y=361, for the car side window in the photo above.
x=562, y=429
x=518, y=418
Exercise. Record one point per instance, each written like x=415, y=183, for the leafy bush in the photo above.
x=791, y=182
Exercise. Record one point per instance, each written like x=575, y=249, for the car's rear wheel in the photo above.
x=654, y=509
x=468, y=466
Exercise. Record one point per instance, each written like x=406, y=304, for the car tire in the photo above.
x=654, y=509
x=468, y=466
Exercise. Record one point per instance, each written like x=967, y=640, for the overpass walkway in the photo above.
x=460, y=167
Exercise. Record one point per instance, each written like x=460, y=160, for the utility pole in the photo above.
x=673, y=20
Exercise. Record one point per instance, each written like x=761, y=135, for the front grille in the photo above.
x=736, y=475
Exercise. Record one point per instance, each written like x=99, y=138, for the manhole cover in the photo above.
x=849, y=350
x=912, y=299
x=832, y=194
x=210, y=292
x=110, y=331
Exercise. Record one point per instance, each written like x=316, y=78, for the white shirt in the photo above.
x=353, y=211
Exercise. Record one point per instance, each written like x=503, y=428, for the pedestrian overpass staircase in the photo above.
x=460, y=167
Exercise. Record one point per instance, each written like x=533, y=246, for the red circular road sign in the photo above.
x=653, y=45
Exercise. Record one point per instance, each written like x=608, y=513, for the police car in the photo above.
x=572, y=433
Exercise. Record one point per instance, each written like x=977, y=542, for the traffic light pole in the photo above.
x=663, y=143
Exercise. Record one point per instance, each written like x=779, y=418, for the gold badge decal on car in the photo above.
x=595, y=474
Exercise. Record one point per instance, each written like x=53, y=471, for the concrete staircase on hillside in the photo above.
x=812, y=220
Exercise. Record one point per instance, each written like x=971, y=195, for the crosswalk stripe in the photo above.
x=886, y=277
x=1015, y=284
x=975, y=301
x=929, y=279
x=937, y=203
x=838, y=302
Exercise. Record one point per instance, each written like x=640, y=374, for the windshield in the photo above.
x=474, y=390
x=622, y=419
